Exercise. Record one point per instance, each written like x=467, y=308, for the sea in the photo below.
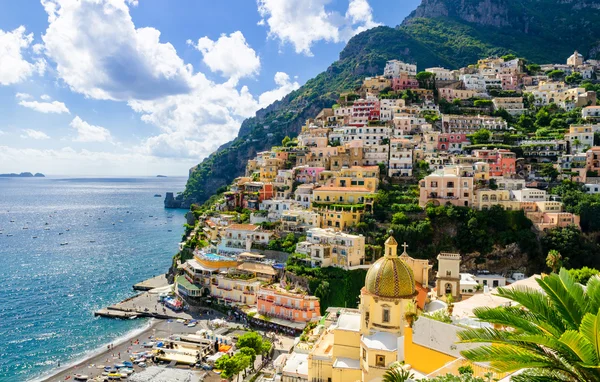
x=69, y=246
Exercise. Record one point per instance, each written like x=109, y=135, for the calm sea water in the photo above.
x=49, y=291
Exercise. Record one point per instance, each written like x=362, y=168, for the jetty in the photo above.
x=152, y=283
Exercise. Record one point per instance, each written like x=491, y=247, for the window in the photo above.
x=364, y=355
x=495, y=283
x=380, y=360
x=448, y=273
x=386, y=315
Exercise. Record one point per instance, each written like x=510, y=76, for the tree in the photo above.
x=553, y=334
x=549, y=172
x=554, y=260
x=230, y=366
x=286, y=140
x=397, y=374
x=533, y=68
x=574, y=78
x=254, y=341
x=583, y=275
x=481, y=136
x=250, y=353
x=556, y=74
x=483, y=103
x=399, y=218
x=426, y=80
x=322, y=290
x=508, y=57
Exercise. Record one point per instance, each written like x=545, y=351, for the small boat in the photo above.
x=60, y=233
x=12, y=221
x=25, y=227
x=34, y=237
x=128, y=364
x=157, y=195
x=47, y=229
x=80, y=377
x=92, y=241
x=46, y=223
x=68, y=229
x=85, y=225
x=9, y=235
x=65, y=243
x=170, y=230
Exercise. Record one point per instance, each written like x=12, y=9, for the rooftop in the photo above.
x=346, y=363
x=243, y=227
x=349, y=321
x=381, y=341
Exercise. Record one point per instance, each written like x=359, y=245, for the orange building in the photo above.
x=274, y=301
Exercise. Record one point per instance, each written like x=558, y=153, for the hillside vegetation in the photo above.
x=450, y=33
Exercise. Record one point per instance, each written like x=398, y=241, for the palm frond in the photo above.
x=564, y=303
x=590, y=330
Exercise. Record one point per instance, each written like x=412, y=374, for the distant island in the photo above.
x=161, y=176
x=23, y=175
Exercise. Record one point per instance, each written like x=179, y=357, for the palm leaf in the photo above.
x=566, y=306
x=579, y=344
x=590, y=329
x=593, y=292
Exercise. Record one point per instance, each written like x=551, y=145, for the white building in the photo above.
x=401, y=157
x=473, y=82
x=491, y=281
x=375, y=154
x=442, y=74
x=241, y=237
x=393, y=68
x=327, y=247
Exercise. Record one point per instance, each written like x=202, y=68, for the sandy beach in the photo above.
x=119, y=352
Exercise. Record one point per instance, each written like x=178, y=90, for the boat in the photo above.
x=92, y=241
x=80, y=377
x=65, y=243
x=157, y=195
x=9, y=235
x=60, y=233
x=68, y=229
x=34, y=237
x=85, y=225
x=128, y=364
x=25, y=228
x=12, y=221
x=47, y=229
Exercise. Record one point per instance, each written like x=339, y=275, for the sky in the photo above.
x=146, y=87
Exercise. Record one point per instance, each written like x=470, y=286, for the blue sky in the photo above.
x=141, y=87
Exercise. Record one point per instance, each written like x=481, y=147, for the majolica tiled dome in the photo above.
x=390, y=276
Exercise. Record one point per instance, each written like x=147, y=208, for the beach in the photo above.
x=120, y=351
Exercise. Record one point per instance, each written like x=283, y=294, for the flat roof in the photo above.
x=381, y=341
x=349, y=321
x=161, y=374
x=296, y=364
x=346, y=363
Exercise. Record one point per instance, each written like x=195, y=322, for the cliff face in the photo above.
x=450, y=33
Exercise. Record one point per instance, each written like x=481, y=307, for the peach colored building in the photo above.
x=502, y=162
x=592, y=162
x=274, y=301
x=452, y=185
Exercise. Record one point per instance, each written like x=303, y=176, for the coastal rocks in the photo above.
x=172, y=201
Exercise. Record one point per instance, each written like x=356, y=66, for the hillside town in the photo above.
x=447, y=138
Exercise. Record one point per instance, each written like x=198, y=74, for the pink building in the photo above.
x=308, y=174
x=361, y=111
x=452, y=141
x=273, y=301
x=502, y=162
x=509, y=81
x=404, y=82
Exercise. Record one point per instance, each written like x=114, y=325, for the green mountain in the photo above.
x=449, y=33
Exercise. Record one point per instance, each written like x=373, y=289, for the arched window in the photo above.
x=385, y=314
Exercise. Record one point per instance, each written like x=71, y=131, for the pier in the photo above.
x=154, y=282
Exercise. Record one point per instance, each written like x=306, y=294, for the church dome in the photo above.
x=390, y=276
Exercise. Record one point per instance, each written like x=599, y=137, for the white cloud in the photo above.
x=13, y=67
x=196, y=124
x=229, y=55
x=99, y=52
x=285, y=86
x=46, y=107
x=2, y=132
x=34, y=134
x=303, y=22
x=89, y=133
x=23, y=96
x=45, y=97
x=134, y=3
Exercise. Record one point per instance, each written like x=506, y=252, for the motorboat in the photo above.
x=80, y=377
x=65, y=243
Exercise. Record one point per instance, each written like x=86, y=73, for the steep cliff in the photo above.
x=450, y=33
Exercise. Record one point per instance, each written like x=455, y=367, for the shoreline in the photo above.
x=80, y=365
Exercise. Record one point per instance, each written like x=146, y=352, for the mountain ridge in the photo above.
x=449, y=33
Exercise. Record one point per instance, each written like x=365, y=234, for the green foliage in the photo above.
x=556, y=74
x=481, y=136
x=555, y=337
x=483, y=103
x=583, y=275
x=574, y=78
x=254, y=341
x=286, y=244
x=573, y=245
x=575, y=200
x=397, y=374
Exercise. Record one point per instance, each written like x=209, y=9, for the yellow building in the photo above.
x=340, y=217
x=363, y=343
x=340, y=195
x=268, y=171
